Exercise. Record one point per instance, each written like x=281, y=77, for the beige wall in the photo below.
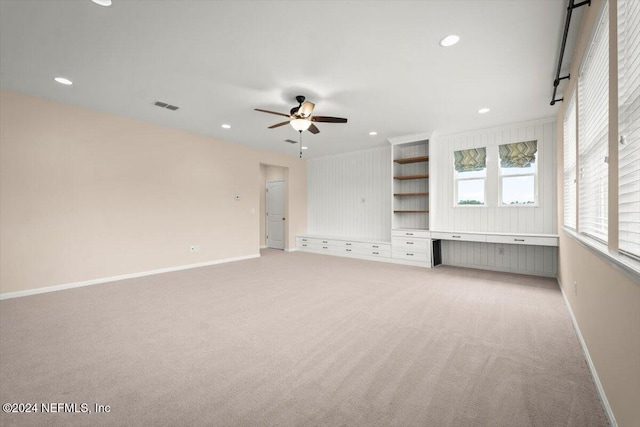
x=86, y=195
x=607, y=303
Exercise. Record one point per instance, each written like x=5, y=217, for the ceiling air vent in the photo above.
x=165, y=105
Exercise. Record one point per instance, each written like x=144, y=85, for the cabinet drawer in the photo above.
x=523, y=240
x=417, y=245
x=374, y=246
x=412, y=256
x=423, y=234
x=458, y=236
x=384, y=252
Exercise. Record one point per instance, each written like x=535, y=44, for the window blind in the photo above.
x=593, y=115
x=570, y=164
x=473, y=159
x=629, y=126
x=518, y=154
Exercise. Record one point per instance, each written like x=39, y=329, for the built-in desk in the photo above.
x=493, y=237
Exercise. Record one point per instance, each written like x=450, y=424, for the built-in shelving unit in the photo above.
x=410, y=194
x=412, y=160
x=405, y=177
x=411, y=185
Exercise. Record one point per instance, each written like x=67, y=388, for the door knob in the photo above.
x=283, y=219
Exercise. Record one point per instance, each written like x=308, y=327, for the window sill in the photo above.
x=497, y=206
x=534, y=205
x=626, y=265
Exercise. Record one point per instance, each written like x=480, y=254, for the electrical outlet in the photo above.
x=575, y=288
x=195, y=248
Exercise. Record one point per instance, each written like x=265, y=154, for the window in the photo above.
x=518, y=173
x=629, y=126
x=570, y=164
x=593, y=146
x=470, y=175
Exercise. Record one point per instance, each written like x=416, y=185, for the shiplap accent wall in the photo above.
x=508, y=219
x=534, y=260
x=523, y=259
x=336, y=188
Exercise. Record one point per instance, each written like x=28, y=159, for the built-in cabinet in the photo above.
x=410, y=240
x=358, y=248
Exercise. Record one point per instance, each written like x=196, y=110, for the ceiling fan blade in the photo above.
x=290, y=141
x=313, y=129
x=277, y=125
x=271, y=112
x=328, y=119
x=306, y=109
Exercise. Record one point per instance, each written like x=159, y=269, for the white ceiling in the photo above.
x=378, y=63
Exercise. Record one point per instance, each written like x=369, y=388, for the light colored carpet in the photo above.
x=297, y=339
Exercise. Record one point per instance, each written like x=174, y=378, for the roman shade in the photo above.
x=473, y=159
x=518, y=154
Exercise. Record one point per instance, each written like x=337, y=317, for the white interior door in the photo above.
x=275, y=214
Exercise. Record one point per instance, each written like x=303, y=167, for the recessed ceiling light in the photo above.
x=63, y=81
x=450, y=40
x=102, y=2
x=484, y=110
x=226, y=126
x=373, y=133
x=305, y=148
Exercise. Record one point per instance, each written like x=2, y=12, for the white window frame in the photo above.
x=535, y=174
x=457, y=179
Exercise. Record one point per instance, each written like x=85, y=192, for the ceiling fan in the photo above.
x=300, y=117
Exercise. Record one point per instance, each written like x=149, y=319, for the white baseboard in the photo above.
x=8, y=295
x=592, y=368
x=291, y=250
x=264, y=247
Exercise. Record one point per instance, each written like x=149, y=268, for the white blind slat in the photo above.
x=570, y=163
x=629, y=126
x=593, y=116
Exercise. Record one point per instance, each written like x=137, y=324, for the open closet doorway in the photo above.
x=273, y=210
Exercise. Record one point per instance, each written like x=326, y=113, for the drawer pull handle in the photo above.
x=408, y=234
x=324, y=247
x=376, y=246
x=304, y=240
x=410, y=254
x=324, y=241
x=376, y=253
x=304, y=245
x=348, y=250
x=455, y=237
x=348, y=244
x=409, y=243
x=518, y=240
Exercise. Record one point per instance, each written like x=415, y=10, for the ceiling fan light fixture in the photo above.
x=306, y=109
x=300, y=124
